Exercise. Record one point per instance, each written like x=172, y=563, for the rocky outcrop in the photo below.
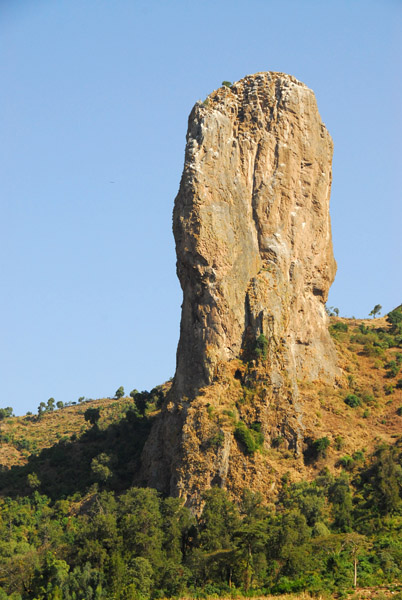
x=254, y=256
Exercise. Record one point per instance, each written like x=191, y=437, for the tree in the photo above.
x=41, y=409
x=59, y=404
x=395, y=319
x=100, y=467
x=320, y=447
x=50, y=405
x=341, y=499
x=261, y=347
x=92, y=415
x=33, y=481
x=141, y=400
x=119, y=392
x=5, y=413
x=376, y=310
x=355, y=544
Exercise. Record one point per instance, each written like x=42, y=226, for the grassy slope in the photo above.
x=350, y=430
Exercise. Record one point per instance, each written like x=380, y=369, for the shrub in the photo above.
x=339, y=326
x=92, y=415
x=352, y=400
x=358, y=455
x=347, y=462
x=399, y=411
x=227, y=84
x=372, y=350
x=216, y=441
x=249, y=438
x=368, y=398
x=277, y=441
x=394, y=318
x=320, y=446
x=261, y=347
x=392, y=368
x=339, y=442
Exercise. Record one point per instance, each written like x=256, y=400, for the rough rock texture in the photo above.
x=254, y=255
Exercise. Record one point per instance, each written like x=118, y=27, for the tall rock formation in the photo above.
x=254, y=256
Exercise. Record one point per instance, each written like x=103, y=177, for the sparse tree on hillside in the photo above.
x=50, y=405
x=5, y=413
x=41, y=409
x=376, y=311
x=395, y=319
x=92, y=415
x=119, y=392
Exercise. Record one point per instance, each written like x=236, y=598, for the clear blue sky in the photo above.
x=94, y=106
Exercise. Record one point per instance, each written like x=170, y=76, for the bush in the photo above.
x=261, y=347
x=394, y=318
x=92, y=415
x=339, y=326
x=249, y=438
x=320, y=446
x=217, y=440
x=227, y=84
x=339, y=442
x=392, y=368
x=352, y=400
x=347, y=462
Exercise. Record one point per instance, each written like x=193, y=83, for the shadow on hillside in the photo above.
x=68, y=466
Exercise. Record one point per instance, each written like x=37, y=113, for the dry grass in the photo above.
x=324, y=411
x=52, y=427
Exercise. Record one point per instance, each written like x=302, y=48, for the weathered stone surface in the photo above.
x=254, y=255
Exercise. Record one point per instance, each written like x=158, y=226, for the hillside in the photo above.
x=331, y=522
x=60, y=446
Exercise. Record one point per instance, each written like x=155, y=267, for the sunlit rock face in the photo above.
x=252, y=230
x=254, y=256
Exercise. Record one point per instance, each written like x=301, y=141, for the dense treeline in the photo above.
x=102, y=545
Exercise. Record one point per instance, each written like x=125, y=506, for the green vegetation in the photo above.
x=339, y=326
x=119, y=392
x=250, y=439
x=320, y=446
x=325, y=536
x=261, y=347
x=395, y=320
x=92, y=415
x=352, y=400
x=6, y=413
x=376, y=311
x=227, y=84
x=73, y=527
